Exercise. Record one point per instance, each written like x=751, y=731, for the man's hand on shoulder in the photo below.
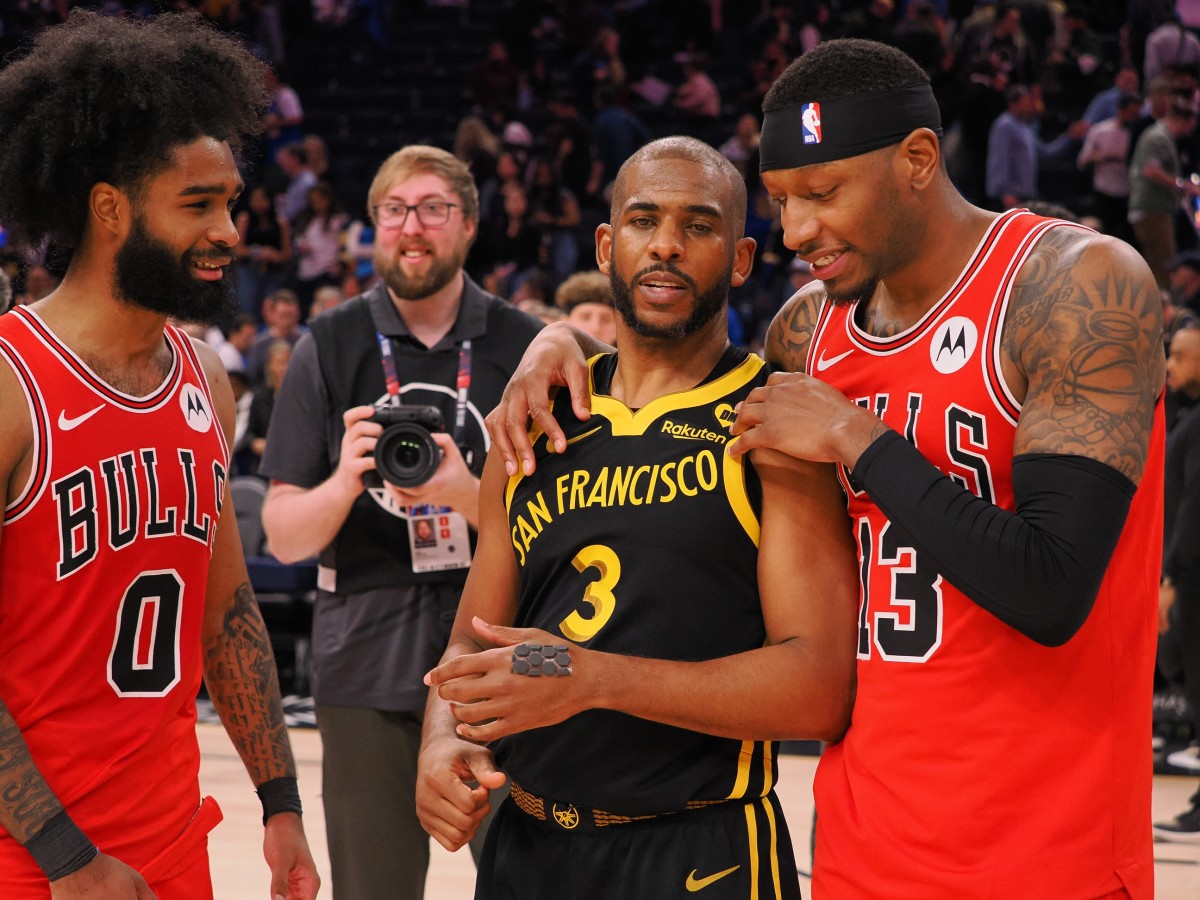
x=285, y=848
x=557, y=356
x=104, y=878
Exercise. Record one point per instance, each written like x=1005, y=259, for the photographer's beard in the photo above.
x=149, y=274
x=440, y=273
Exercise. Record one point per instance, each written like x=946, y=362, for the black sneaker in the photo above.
x=1183, y=829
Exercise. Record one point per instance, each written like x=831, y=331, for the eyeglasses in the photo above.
x=431, y=214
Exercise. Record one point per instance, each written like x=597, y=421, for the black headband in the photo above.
x=825, y=130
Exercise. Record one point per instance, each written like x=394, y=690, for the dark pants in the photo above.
x=377, y=847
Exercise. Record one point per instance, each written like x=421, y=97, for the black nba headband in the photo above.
x=825, y=130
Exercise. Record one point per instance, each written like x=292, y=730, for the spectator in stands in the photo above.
x=1156, y=186
x=616, y=133
x=742, y=147
x=982, y=101
x=1106, y=151
x=278, y=355
x=599, y=66
x=316, y=151
x=586, y=298
x=235, y=348
x=698, y=95
x=320, y=229
x=263, y=251
x=510, y=172
x=1104, y=104
x=554, y=209
x=476, y=146
x=325, y=298
x=496, y=79
x=6, y=294
x=1179, y=595
x=569, y=143
x=39, y=282
x=1169, y=47
x=510, y=247
x=1183, y=283
x=995, y=34
x=285, y=116
x=281, y=312
x=1014, y=150
x=293, y=160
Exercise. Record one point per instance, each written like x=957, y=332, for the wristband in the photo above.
x=60, y=848
x=279, y=795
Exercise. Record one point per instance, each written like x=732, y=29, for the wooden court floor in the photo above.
x=239, y=872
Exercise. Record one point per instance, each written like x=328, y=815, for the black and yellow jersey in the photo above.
x=641, y=539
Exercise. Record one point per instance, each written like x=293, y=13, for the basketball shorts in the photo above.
x=725, y=851
x=178, y=871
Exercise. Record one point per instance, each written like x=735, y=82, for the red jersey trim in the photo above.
x=987, y=246
x=185, y=349
x=89, y=378
x=1002, y=395
x=39, y=472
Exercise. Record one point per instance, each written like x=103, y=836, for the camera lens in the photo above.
x=406, y=455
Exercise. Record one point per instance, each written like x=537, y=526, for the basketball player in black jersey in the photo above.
x=658, y=581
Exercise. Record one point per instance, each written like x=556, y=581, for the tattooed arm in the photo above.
x=239, y=670
x=1082, y=347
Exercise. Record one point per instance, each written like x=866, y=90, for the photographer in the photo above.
x=427, y=336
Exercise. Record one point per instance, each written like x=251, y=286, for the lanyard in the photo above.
x=462, y=386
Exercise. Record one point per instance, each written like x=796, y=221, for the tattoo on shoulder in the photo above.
x=244, y=686
x=792, y=330
x=1086, y=332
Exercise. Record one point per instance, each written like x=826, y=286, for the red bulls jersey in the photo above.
x=104, y=560
x=979, y=763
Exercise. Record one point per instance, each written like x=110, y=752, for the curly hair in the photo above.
x=842, y=68
x=108, y=99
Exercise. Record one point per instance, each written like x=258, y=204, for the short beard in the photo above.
x=863, y=291
x=440, y=274
x=150, y=275
x=708, y=306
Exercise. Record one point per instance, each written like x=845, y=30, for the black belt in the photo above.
x=570, y=817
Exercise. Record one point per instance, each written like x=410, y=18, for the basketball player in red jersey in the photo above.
x=122, y=580
x=990, y=388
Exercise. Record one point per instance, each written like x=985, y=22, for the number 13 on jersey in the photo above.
x=900, y=616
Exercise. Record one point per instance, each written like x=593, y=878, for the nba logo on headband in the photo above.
x=810, y=122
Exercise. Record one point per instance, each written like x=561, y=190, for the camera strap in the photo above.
x=462, y=385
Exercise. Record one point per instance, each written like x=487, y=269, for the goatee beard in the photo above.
x=708, y=306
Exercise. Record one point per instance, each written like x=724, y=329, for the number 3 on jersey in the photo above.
x=910, y=628
x=599, y=593
x=144, y=661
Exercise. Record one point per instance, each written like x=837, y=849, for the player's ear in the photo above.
x=743, y=260
x=919, y=156
x=110, y=209
x=603, y=247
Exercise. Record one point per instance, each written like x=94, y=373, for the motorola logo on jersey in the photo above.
x=196, y=411
x=953, y=344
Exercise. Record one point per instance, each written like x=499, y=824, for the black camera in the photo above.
x=406, y=454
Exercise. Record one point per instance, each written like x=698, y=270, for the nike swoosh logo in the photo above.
x=580, y=437
x=65, y=424
x=694, y=884
x=823, y=363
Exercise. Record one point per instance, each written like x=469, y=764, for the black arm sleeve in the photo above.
x=1037, y=569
